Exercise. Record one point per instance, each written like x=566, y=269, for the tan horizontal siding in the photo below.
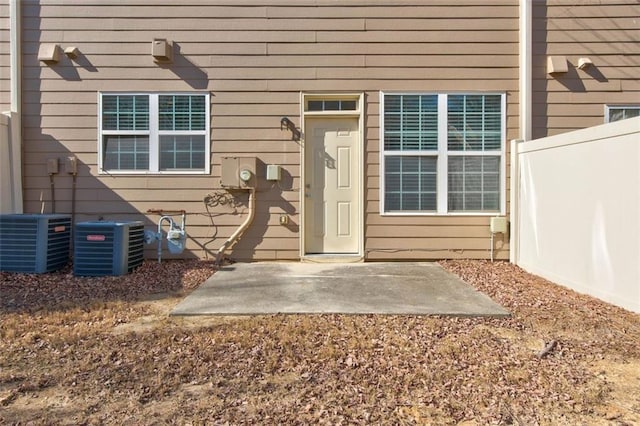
x=395, y=221
x=80, y=96
x=569, y=23
x=605, y=32
x=220, y=62
x=620, y=49
x=596, y=98
x=255, y=58
x=440, y=85
x=194, y=49
x=5, y=71
x=97, y=47
x=562, y=35
x=313, y=9
x=431, y=243
x=119, y=36
x=347, y=47
x=434, y=254
x=562, y=9
x=577, y=85
x=415, y=36
x=425, y=231
x=191, y=24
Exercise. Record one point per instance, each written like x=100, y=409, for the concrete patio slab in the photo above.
x=417, y=288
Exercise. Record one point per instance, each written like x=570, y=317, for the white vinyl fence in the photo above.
x=577, y=220
x=10, y=165
x=6, y=180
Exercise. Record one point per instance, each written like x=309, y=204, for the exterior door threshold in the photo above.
x=332, y=258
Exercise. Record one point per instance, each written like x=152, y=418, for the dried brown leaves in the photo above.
x=61, y=360
x=62, y=289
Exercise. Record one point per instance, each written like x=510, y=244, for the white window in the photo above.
x=620, y=112
x=154, y=133
x=442, y=153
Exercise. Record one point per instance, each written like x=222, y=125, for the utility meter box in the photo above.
x=498, y=225
x=238, y=172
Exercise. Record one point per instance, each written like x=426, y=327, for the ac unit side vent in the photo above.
x=34, y=243
x=108, y=248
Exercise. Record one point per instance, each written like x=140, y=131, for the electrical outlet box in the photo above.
x=238, y=172
x=52, y=166
x=274, y=172
x=71, y=165
x=498, y=225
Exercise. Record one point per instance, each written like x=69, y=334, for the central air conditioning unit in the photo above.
x=34, y=243
x=107, y=248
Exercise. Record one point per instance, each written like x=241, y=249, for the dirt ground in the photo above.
x=104, y=351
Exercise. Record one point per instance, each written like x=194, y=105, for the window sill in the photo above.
x=435, y=214
x=147, y=173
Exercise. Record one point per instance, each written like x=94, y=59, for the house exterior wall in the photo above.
x=255, y=58
x=579, y=221
x=608, y=34
x=5, y=71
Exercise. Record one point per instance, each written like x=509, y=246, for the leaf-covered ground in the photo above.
x=103, y=351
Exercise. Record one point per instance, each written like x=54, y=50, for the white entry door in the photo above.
x=332, y=185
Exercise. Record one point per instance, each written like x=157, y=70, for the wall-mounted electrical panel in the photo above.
x=238, y=172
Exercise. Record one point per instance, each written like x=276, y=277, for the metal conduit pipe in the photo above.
x=238, y=233
x=53, y=193
x=171, y=226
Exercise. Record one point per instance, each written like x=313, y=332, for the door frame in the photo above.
x=358, y=113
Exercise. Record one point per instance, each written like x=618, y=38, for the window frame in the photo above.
x=609, y=107
x=442, y=155
x=154, y=134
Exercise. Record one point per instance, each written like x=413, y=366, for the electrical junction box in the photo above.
x=274, y=172
x=49, y=53
x=52, y=166
x=238, y=172
x=161, y=50
x=498, y=225
x=71, y=165
x=557, y=65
